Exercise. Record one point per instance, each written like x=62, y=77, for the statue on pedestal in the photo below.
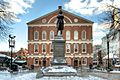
x=60, y=22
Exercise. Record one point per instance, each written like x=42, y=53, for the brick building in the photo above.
x=77, y=33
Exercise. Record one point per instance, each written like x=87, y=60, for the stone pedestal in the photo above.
x=58, y=65
x=58, y=51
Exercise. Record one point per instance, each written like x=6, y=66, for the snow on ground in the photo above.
x=59, y=69
x=115, y=72
x=32, y=76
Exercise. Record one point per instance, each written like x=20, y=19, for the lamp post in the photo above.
x=11, y=45
x=119, y=42
x=107, y=36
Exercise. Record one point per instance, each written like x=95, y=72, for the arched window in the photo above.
x=75, y=35
x=83, y=35
x=43, y=48
x=36, y=62
x=75, y=47
x=67, y=48
x=36, y=35
x=51, y=48
x=44, y=35
x=67, y=35
x=35, y=48
x=84, y=61
x=84, y=48
x=51, y=35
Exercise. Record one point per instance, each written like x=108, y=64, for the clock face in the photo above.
x=75, y=20
x=44, y=20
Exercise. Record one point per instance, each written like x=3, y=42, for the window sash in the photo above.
x=75, y=48
x=43, y=47
x=83, y=35
x=36, y=62
x=75, y=35
x=36, y=48
x=36, y=35
x=51, y=35
x=67, y=35
x=68, y=48
x=84, y=61
x=43, y=35
x=84, y=48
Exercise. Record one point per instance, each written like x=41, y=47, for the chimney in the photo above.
x=59, y=7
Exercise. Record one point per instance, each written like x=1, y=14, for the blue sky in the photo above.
x=38, y=8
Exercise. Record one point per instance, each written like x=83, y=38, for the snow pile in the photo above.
x=59, y=69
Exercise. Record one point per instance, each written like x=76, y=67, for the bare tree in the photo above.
x=6, y=19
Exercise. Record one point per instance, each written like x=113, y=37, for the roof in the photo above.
x=51, y=17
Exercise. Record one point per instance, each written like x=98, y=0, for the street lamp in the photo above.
x=11, y=45
x=107, y=36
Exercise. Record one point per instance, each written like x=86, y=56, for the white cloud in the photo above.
x=97, y=42
x=82, y=7
x=19, y=6
x=98, y=33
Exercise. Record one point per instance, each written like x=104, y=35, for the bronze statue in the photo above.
x=60, y=22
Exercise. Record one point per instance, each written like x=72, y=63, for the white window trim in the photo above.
x=85, y=61
x=45, y=35
x=75, y=36
x=68, y=48
x=37, y=47
x=45, y=49
x=85, y=48
x=37, y=35
x=67, y=33
x=50, y=35
x=50, y=48
x=82, y=35
x=34, y=62
x=77, y=48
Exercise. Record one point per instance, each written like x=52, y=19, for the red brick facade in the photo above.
x=81, y=55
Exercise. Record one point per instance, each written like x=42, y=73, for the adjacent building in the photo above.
x=96, y=55
x=114, y=40
x=77, y=33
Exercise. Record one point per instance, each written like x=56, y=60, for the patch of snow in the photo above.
x=117, y=65
x=115, y=72
x=20, y=61
x=71, y=78
x=59, y=60
x=32, y=76
x=59, y=69
x=2, y=55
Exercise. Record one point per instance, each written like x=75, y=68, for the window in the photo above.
x=44, y=35
x=75, y=47
x=67, y=35
x=51, y=48
x=36, y=35
x=36, y=62
x=84, y=49
x=51, y=35
x=83, y=35
x=43, y=48
x=75, y=35
x=35, y=48
x=67, y=48
x=84, y=61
